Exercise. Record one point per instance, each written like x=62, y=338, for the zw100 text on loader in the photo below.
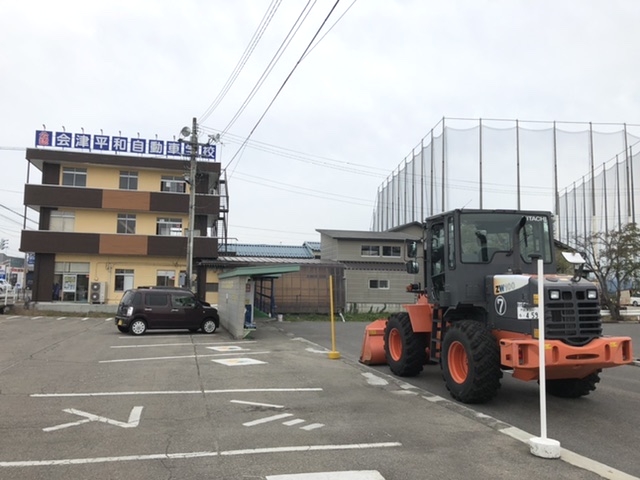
x=477, y=314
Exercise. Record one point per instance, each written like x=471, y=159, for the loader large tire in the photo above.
x=573, y=387
x=470, y=362
x=405, y=350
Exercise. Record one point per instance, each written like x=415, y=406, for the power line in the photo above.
x=272, y=63
x=264, y=23
x=284, y=83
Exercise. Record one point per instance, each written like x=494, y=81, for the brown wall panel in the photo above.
x=125, y=200
x=205, y=247
x=51, y=174
x=59, y=242
x=123, y=244
x=62, y=197
x=169, y=202
x=42, y=290
x=167, y=246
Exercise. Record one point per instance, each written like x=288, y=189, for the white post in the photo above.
x=543, y=446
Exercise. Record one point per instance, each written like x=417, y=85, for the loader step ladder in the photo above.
x=437, y=334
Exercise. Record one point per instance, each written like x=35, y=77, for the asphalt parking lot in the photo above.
x=78, y=399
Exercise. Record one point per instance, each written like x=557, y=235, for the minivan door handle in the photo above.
x=147, y=309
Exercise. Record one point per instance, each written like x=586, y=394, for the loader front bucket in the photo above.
x=373, y=345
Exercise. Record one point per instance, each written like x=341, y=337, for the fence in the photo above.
x=583, y=172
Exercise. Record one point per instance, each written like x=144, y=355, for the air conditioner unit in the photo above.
x=98, y=292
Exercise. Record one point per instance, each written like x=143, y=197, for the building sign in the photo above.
x=118, y=144
x=69, y=283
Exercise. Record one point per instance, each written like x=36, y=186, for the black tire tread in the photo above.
x=483, y=381
x=413, y=346
x=573, y=387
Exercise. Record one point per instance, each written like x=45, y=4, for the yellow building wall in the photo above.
x=109, y=177
x=100, y=221
x=103, y=269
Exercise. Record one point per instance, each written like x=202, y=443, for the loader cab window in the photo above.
x=437, y=260
x=484, y=234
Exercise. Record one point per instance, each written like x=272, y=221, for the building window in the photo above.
x=128, y=180
x=74, y=177
x=123, y=280
x=169, y=226
x=379, y=284
x=166, y=278
x=370, y=251
x=61, y=221
x=391, y=252
x=173, y=184
x=126, y=223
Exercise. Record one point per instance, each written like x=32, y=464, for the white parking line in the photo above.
x=122, y=360
x=182, y=456
x=255, y=404
x=272, y=418
x=178, y=344
x=176, y=392
x=61, y=318
x=351, y=475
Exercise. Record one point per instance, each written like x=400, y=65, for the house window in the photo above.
x=173, y=184
x=126, y=223
x=61, y=221
x=74, y=177
x=166, y=278
x=379, y=284
x=169, y=226
x=370, y=251
x=128, y=180
x=391, y=251
x=123, y=280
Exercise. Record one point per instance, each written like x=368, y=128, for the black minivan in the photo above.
x=147, y=308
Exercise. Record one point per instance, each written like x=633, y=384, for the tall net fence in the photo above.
x=582, y=172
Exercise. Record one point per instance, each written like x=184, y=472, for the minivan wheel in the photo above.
x=209, y=326
x=137, y=327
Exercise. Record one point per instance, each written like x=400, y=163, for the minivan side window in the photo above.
x=182, y=300
x=157, y=299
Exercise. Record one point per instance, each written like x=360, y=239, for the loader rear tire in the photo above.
x=573, y=387
x=470, y=362
x=405, y=350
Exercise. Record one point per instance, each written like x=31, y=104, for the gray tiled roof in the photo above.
x=268, y=251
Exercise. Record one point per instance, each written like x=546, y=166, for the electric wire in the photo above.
x=264, y=23
x=272, y=63
x=283, y=84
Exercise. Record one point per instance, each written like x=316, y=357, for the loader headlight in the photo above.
x=554, y=294
x=592, y=294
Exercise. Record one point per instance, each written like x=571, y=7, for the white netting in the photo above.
x=567, y=168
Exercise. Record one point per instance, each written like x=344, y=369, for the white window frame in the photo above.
x=369, y=250
x=127, y=279
x=173, y=184
x=126, y=220
x=62, y=221
x=378, y=284
x=77, y=176
x=169, y=227
x=391, y=247
x=129, y=177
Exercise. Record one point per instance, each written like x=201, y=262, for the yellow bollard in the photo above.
x=333, y=354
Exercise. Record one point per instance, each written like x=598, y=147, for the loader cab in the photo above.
x=464, y=248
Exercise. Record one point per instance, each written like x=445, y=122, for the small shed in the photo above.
x=236, y=294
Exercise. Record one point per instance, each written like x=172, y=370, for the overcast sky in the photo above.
x=354, y=108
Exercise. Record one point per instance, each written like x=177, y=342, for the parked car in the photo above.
x=5, y=286
x=635, y=301
x=147, y=308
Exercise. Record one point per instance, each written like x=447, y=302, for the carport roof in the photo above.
x=263, y=271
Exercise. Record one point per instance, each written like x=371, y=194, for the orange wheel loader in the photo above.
x=477, y=314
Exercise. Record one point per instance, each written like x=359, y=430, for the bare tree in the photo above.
x=614, y=259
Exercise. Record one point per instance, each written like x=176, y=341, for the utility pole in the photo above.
x=192, y=202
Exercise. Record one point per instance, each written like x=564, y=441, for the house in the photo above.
x=111, y=222
x=375, y=276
